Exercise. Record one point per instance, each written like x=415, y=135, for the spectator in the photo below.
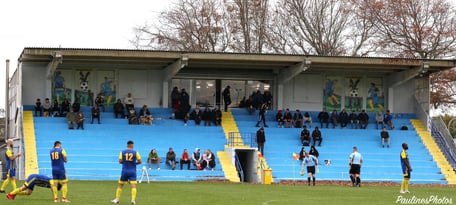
x=99, y=101
x=363, y=119
x=129, y=102
x=279, y=119
x=316, y=135
x=38, y=108
x=250, y=106
x=387, y=118
x=65, y=107
x=197, y=115
x=218, y=116
x=323, y=117
x=55, y=108
x=132, y=119
x=313, y=151
x=171, y=158
x=305, y=136
x=297, y=119
x=385, y=137
x=119, y=109
x=184, y=101
x=226, y=97
x=196, y=158
x=144, y=116
x=186, y=118
x=302, y=153
x=80, y=120
x=153, y=159
x=208, y=160
x=207, y=116
x=76, y=106
x=175, y=99
x=262, y=115
x=47, y=108
x=95, y=113
x=260, y=139
x=267, y=98
x=343, y=118
x=353, y=119
x=334, y=118
x=307, y=119
x=71, y=119
x=379, y=120
x=287, y=118
x=185, y=159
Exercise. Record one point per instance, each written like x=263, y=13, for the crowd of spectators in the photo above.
x=204, y=161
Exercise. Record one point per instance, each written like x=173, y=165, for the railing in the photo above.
x=422, y=114
x=444, y=140
x=239, y=169
x=240, y=139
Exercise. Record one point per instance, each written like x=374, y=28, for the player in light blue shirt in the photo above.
x=309, y=162
x=356, y=159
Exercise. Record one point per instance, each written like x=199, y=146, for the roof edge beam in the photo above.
x=172, y=69
x=412, y=73
x=287, y=74
x=57, y=58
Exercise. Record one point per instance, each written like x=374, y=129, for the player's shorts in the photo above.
x=311, y=169
x=128, y=177
x=11, y=173
x=407, y=174
x=59, y=176
x=31, y=184
x=355, y=169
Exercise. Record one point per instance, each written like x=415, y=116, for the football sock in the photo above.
x=118, y=193
x=15, y=191
x=13, y=183
x=403, y=185
x=308, y=180
x=313, y=180
x=64, y=190
x=5, y=183
x=133, y=194
x=406, y=184
x=22, y=192
x=352, y=179
x=54, y=192
x=358, y=180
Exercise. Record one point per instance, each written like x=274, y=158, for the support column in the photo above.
x=279, y=94
x=165, y=94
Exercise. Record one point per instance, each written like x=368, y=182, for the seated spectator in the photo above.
x=185, y=159
x=208, y=160
x=55, y=108
x=208, y=116
x=353, y=119
x=171, y=158
x=363, y=119
x=323, y=117
x=316, y=135
x=302, y=153
x=307, y=119
x=153, y=159
x=80, y=119
x=196, y=158
x=47, y=108
x=145, y=117
x=76, y=106
x=287, y=118
x=132, y=119
x=305, y=136
x=250, y=106
x=313, y=151
x=279, y=119
x=65, y=107
x=71, y=119
x=343, y=118
x=385, y=137
x=379, y=120
x=334, y=118
x=99, y=101
x=197, y=115
x=119, y=109
x=129, y=102
x=218, y=116
x=95, y=113
x=38, y=108
x=297, y=119
x=388, y=119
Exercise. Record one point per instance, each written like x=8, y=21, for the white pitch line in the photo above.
x=267, y=202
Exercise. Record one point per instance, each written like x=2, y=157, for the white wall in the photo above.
x=304, y=92
x=33, y=83
x=403, y=97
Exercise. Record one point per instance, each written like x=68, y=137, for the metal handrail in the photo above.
x=444, y=140
x=239, y=168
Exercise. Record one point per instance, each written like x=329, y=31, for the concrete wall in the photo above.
x=33, y=83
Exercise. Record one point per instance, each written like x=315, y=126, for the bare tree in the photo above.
x=443, y=89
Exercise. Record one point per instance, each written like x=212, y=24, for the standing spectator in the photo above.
x=298, y=118
x=343, y=118
x=119, y=109
x=80, y=120
x=129, y=158
x=334, y=118
x=99, y=101
x=388, y=119
x=262, y=115
x=47, y=108
x=287, y=118
x=356, y=159
x=305, y=136
x=76, y=106
x=196, y=158
x=316, y=135
x=379, y=120
x=185, y=159
x=10, y=166
x=197, y=115
x=323, y=117
x=260, y=139
x=226, y=97
x=58, y=160
x=95, y=113
x=406, y=169
x=71, y=119
x=184, y=100
x=267, y=98
x=307, y=119
x=309, y=162
x=38, y=108
x=171, y=158
x=218, y=116
x=55, y=108
x=207, y=116
x=279, y=119
x=175, y=99
x=363, y=119
x=353, y=119
x=385, y=137
x=313, y=151
x=129, y=102
x=153, y=159
x=65, y=107
x=250, y=106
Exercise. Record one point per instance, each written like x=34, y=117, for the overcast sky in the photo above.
x=68, y=23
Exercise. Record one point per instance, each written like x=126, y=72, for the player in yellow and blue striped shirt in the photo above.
x=58, y=160
x=406, y=169
x=10, y=166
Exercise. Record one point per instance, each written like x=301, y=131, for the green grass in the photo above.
x=215, y=193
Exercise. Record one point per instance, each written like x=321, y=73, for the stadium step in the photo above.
x=436, y=153
x=31, y=162
x=228, y=168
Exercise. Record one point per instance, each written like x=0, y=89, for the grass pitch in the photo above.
x=219, y=193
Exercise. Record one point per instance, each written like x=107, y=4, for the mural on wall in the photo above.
x=83, y=92
x=375, y=95
x=332, y=93
x=60, y=88
x=107, y=87
x=353, y=94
